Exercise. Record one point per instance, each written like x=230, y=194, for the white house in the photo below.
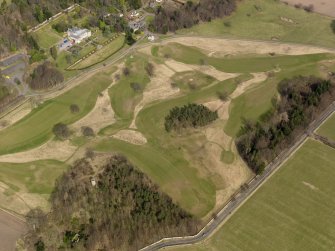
x=77, y=35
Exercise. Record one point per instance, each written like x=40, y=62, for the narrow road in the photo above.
x=240, y=198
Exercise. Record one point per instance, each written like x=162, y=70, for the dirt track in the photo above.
x=11, y=229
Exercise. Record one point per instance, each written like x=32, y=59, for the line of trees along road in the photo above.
x=123, y=210
x=301, y=100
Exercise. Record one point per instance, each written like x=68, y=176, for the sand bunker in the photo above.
x=15, y=115
x=131, y=136
x=58, y=150
x=220, y=47
x=209, y=70
x=159, y=88
x=101, y=115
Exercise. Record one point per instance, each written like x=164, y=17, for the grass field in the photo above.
x=36, y=128
x=47, y=37
x=328, y=128
x=34, y=177
x=293, y=210
x=259, y=19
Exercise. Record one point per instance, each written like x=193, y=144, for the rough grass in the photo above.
x=36, y=128
x=33, y=177
x=293, y=210
x=259, y=19
x=328, y=128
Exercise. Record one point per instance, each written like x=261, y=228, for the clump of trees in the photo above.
x=121, y=210
x=170, y=19
x=45, y=76
x=61, y=131
x=191, y=115
x=301, y=100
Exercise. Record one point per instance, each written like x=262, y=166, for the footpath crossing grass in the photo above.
x=268, y=20
x=328, y=128
x=36, y=128
x=293, y=210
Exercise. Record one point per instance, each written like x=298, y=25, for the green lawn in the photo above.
x=328, y=128
x=36, y=128
x=259, y=19
x=33, y=177
x=47, y=37
x=293, y=210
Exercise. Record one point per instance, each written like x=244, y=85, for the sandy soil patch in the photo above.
x=221, y=47
x=58, y=150
x=206, y=69
x=159, y=88
x=222, y=107
x=326, y=7
x=101, y=115
x=310, y=185
x=11, y=230
x=131, y=136
x=15, y=115
x=241, y=88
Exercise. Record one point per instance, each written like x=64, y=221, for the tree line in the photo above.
x=171, y=18
x=191, y=115
x=301, y=101
x=122, y=210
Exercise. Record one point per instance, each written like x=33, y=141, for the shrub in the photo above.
x=74, y=108
x=87, y=131
x=149, y=68
x=332, y=25
x=136, y=86
x=61, y=131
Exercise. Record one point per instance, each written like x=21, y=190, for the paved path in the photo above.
x=240, y=198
